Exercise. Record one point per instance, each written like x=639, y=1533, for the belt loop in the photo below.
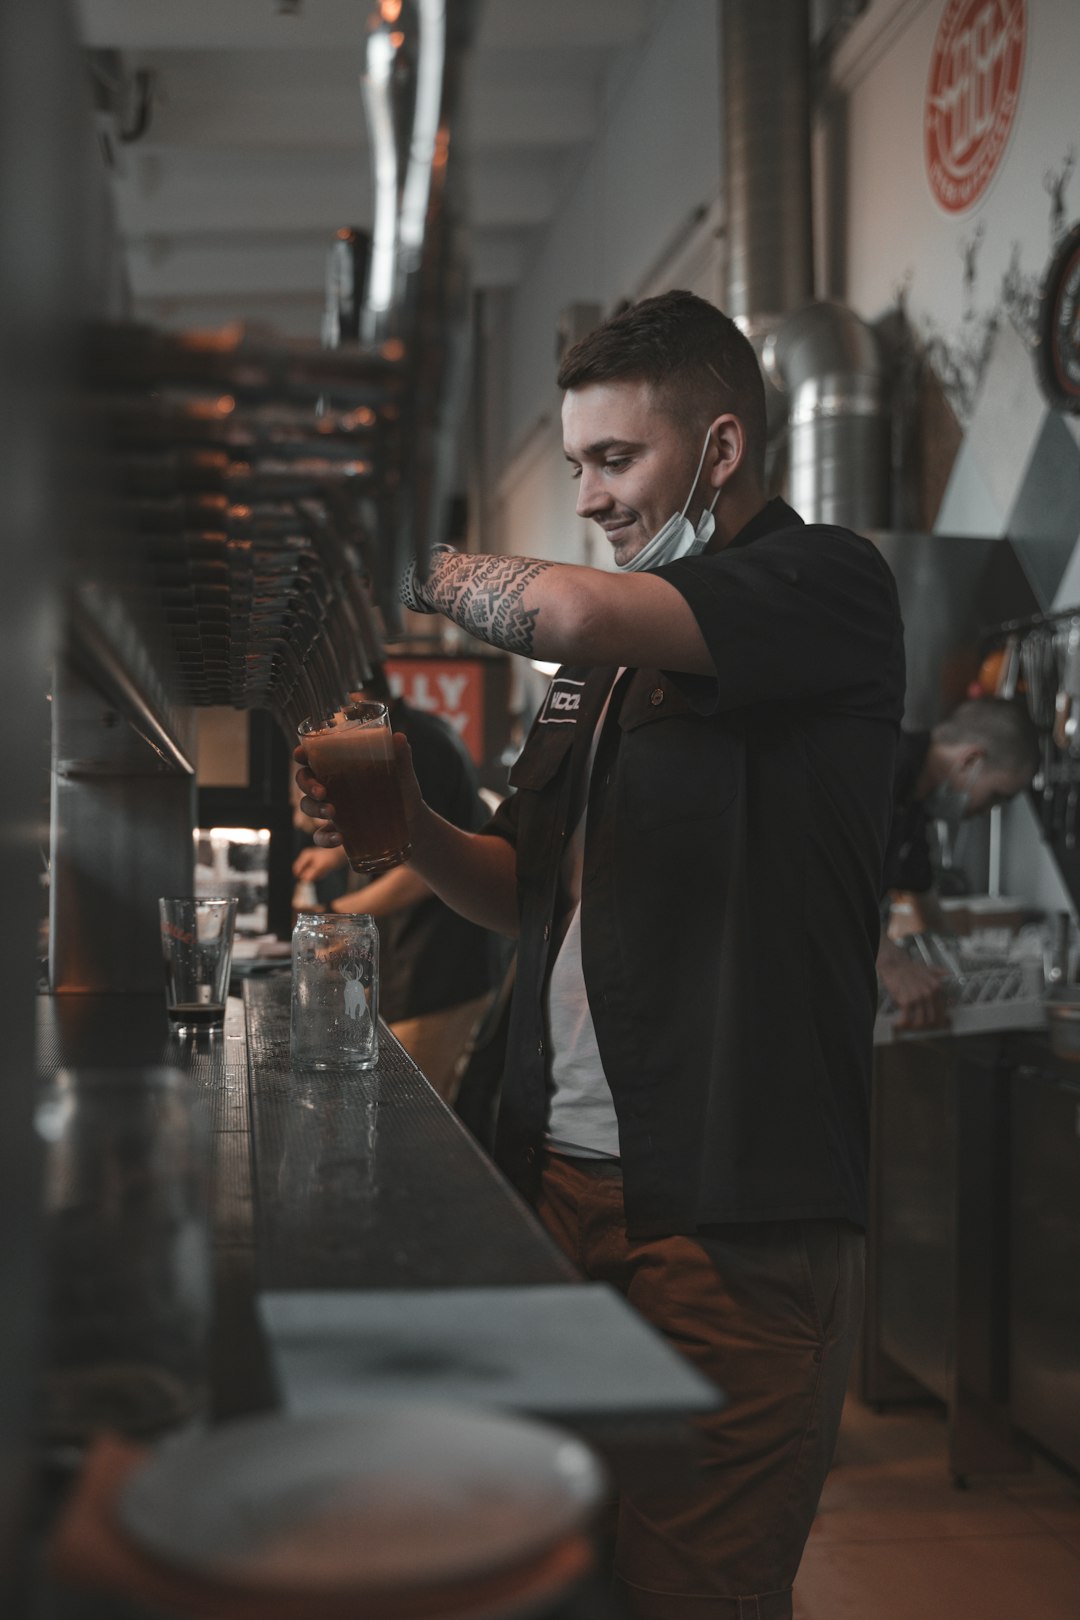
x=749, y=1609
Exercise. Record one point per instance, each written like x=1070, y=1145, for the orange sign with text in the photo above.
x=452, y=687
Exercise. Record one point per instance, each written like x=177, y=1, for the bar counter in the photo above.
x=319, y=1180
x=339, y=1181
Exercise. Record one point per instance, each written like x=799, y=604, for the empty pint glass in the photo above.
x=352, y=754
x=196, y=944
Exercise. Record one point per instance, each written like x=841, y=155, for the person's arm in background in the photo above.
x=312, y=863
x=918, y=991
x=930, y=914
x=390, y=892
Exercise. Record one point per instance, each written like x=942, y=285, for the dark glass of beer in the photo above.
x=352, y=754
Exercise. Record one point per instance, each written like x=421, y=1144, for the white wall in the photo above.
x=656, y=160
x=627, y=216
x=896, y=232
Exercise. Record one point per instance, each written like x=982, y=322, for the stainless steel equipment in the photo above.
x=1045, y=1305
x=938, y=1241
x=765, y=60
x=950, y=588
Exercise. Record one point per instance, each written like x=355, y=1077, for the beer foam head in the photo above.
x=337, y=747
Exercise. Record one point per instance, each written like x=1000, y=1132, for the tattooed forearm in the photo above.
x=484, y=595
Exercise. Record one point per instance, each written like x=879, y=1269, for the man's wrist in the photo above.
x=420, y=829
x=414, y=591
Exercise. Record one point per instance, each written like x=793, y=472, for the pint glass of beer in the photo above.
x=352, y=754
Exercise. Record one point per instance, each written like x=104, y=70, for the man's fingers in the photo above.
x=327, y=837
x=309, y=784
x=317, y=809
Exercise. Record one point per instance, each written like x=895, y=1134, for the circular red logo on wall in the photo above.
x=972, y=96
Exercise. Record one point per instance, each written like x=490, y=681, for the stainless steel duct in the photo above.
x=829, y=363
x=822, y=367
x=766, y=97
x=405, y=58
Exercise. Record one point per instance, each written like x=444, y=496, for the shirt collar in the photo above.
x=775, y=514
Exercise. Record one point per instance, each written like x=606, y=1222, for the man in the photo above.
x=437, y=969
x=984, y=754
x=691, y=863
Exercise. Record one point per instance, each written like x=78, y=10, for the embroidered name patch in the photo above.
x=561, y=705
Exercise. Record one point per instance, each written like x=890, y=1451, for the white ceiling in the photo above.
x=255, y=152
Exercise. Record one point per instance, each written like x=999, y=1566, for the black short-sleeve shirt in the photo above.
x=907, y=856
x=734, y=842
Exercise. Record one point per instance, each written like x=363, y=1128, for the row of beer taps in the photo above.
x=233, y=492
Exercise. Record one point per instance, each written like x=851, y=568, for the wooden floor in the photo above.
x=895, y=1540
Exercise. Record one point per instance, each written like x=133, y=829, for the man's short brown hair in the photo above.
x=692, y=354
x=1001, y=728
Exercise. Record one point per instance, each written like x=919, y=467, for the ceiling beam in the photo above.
x=166, y=267
x=297, y=315
x=180, y=192
x=245, y=25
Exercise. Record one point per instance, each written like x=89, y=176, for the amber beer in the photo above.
x=353, y=757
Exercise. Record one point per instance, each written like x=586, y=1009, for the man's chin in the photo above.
x=624, y=551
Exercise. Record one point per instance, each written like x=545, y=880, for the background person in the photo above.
x=691, y=863
x=983, y=754
x=437, y=970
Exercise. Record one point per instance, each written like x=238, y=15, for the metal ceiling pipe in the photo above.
x=765, y=59
x=402, y=85
x=830, y=365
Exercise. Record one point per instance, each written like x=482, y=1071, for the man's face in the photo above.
x=633, y=462
x=989, y=788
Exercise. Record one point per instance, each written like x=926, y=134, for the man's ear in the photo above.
x=972, y=756
x=729, y=442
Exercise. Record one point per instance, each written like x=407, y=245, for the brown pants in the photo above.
x=770, y=1312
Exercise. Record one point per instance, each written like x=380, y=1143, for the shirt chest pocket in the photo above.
x=675, y=765
x=536, y=777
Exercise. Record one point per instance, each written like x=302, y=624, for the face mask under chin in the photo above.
x=678, y=537
x=948, y=802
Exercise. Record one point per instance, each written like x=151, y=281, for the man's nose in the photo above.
x=592, y=496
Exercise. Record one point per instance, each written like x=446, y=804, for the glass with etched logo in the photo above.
x=335, y=992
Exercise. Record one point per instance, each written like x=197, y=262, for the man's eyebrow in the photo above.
x=602, y=446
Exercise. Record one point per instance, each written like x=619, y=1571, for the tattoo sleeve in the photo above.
x=484, y=595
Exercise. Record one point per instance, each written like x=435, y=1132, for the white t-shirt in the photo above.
x=582, y=1120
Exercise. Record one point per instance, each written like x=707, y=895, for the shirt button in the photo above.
x=656, y=696
x=540, y=1048
x=530, y=1155
x=547, y=930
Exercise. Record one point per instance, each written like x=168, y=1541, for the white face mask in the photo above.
x=678, y=537
x=949, y=802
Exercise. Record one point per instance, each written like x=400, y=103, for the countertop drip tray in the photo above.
x=562, y=1350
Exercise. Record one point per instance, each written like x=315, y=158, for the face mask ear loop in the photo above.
x=697, y=475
